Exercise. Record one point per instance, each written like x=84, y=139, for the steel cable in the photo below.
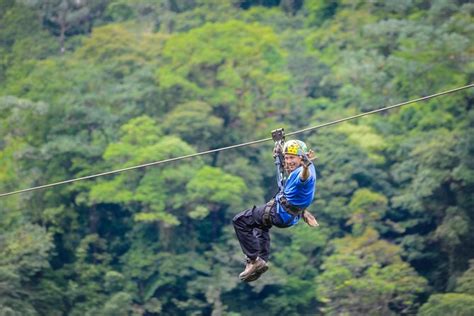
x=237, y=145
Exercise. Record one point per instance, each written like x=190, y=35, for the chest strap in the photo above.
x=291, y=209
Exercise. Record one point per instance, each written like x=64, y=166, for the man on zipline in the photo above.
x=285, y=210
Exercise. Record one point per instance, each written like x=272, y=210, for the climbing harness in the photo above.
x=291, y=209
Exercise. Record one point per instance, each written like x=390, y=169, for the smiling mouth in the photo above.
x=290, y=168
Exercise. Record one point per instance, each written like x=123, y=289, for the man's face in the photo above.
x=292, y=162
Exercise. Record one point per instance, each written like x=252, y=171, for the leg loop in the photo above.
x=266, y=219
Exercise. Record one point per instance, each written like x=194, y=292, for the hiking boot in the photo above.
x=253, y=270
x=256, y=274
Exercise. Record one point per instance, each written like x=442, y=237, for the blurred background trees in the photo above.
x=92, y=86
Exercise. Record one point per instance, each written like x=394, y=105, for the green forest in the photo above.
x=89, y=86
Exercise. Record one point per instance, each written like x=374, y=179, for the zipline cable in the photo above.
x=237, y=145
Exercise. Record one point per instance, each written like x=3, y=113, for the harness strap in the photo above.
x=291, y=209
x=266, y=213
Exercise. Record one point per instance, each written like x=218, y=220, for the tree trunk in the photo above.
x=62, y=29
x=62, y=36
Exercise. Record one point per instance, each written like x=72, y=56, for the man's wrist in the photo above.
x=306, y=161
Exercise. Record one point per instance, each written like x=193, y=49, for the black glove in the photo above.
x=306, y=161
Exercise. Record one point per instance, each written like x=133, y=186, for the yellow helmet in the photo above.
x=295, y=147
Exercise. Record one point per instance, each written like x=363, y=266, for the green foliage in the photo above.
x=319, y=10
x=213, y=187
x=368, y=208
x=365, y=275
x=345, y=168
x=141, y=143
x=252, y=175
x=26, y=249
x=118, y=304
x=66, y=17
x=21, y=38
x=465, y=283
x=116, y=44
x=366, y=138
x=239, y=74
x=194, y=122
x=423, y=181
x=454, y=304
x=24, y=253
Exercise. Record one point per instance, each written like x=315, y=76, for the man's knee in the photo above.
x=239, y=220
x=235, y=220
x=244, y=218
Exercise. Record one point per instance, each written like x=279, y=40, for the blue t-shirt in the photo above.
x=298, y=193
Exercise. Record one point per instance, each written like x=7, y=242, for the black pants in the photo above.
x=253, y=235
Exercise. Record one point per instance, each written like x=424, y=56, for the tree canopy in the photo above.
x=92, y=86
